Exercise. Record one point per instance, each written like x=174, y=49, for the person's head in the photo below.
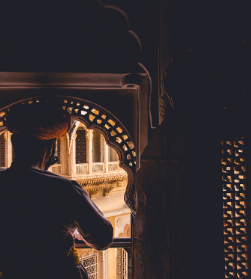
x=35, y=128
x=33, y=151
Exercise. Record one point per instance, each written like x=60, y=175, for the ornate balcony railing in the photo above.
x=113, y=166
x=90, y=263
x=81, y=168
x=97, y=167
x=100, y=179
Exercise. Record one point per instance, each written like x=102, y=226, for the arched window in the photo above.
x=81, y=146
x=96, y=147
x=96, y=168
x=2, y=151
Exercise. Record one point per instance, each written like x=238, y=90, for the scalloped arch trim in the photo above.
x=96, y=117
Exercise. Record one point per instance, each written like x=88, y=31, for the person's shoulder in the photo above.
x=58, y=183
x=52, y=175
x=52, y=178
x=58, y=178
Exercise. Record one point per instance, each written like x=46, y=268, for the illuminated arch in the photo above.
x=74, y=130
x=96, y=117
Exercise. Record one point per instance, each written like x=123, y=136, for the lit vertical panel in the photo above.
x=235, y=208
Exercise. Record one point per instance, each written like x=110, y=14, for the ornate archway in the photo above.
x=96, y=117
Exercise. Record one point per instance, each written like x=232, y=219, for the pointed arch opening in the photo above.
x=80, y=145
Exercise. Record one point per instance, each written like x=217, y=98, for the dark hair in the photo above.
x=29, y=149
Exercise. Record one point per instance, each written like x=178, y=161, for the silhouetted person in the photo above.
x=40, y=212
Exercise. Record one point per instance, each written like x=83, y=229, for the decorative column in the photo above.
x=8, y=149
x=105, y=154
x=72, y=156
x=103, y=265
x=64, y=155
x=89, y=150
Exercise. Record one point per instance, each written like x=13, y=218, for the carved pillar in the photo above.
x=103, y=265
x=72, y=156
x=105, y=154
x=89, y=150
x=64, y=155
x=8, y=149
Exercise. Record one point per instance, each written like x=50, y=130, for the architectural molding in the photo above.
x=106, y=188
x=85, y=180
